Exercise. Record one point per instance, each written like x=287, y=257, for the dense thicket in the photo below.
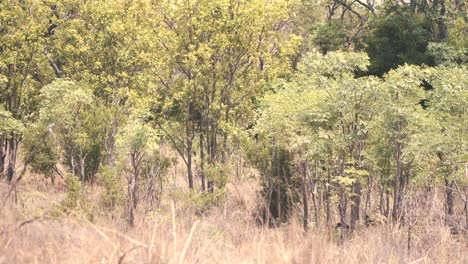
x=341, y=106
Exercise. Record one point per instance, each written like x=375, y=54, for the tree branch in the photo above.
x=52, y=63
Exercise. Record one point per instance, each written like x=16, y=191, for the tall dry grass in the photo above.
x=227, y=234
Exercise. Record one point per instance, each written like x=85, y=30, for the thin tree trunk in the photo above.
x=130, y=205
x=225, y=134
x=381, y=200
x=368, y=205
x=202, y=163
x=3, y=153
x=387, y=203
x=136, y=162
x=466, y=213
x=342, y=208
x=397, y=199
x=272, y=181
x=305, y=197
x=11, y=169
x=355, y=204
x=189, y=153
x=442, y=36
x=328, y=198
x=314, y=196
x=449, y=185
x=110, y=145
x=82, y=171
x=213, y=153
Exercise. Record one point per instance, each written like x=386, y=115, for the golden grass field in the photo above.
x=226, y=234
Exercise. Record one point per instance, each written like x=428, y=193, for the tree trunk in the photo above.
x=130, y=205
x=328, y=198
x=270, y=206
x=442, y=36
x=305, y=197
x=11, y=170
x=449, y=185
x=355, y=204
x=225, y=134
x=202, y=163
x=314, y=196
x=387, y=204
x=466, y=213
x=213, y=146
x=110, y=145
x=381, y=200
x=3, y=153
x=189, y=143
x=82, y=171
x=136, y=161
x=397, y=200
x=342, y=208
x=368, y=205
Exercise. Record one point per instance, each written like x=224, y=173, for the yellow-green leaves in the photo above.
x=8, y=124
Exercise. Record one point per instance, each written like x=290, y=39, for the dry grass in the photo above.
x=226, y=234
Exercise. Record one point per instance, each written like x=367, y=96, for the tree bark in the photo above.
x=225, y=134
x=189, y=143
x=368, y=205
x=11, y=169
x=328, y=194
x=449, y=185
x=442, y=36
x=202, y=163
x=342, y=208
x=136, y=161
x=355, y=204
x=3, y=153
x=397, y=184
x=314, y=196
x=305, y=196
x=213, y=149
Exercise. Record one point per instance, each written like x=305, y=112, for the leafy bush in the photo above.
x=112, y=194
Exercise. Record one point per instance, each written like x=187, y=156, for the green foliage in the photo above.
x=135, y=75
x=359, y=127
x=73, y=199
x=331, y=36
x=400, y=36
x=218, y=174
x=280, y=185
x=40, y=149
x=8, y=124
x=69, y=120
x=200, y=202
x=203, y=202
x=447, y=55
x=458, y=34
x=74, y=202
x=23, y=67
x=112, y=194
x=138, y=137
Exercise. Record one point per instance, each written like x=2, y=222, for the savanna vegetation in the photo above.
x=233, y=131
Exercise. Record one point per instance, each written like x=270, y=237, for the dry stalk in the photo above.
x=174, y=234
x=187, y=243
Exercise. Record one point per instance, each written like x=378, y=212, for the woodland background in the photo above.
x=233, y=131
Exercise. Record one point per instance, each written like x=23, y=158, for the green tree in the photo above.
x=446, y=140
x=107, y=45
x=24, y=69
x=324, y=116
x=216, y=57
x=66, y=131
x=141, y=162
x=400, y=36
